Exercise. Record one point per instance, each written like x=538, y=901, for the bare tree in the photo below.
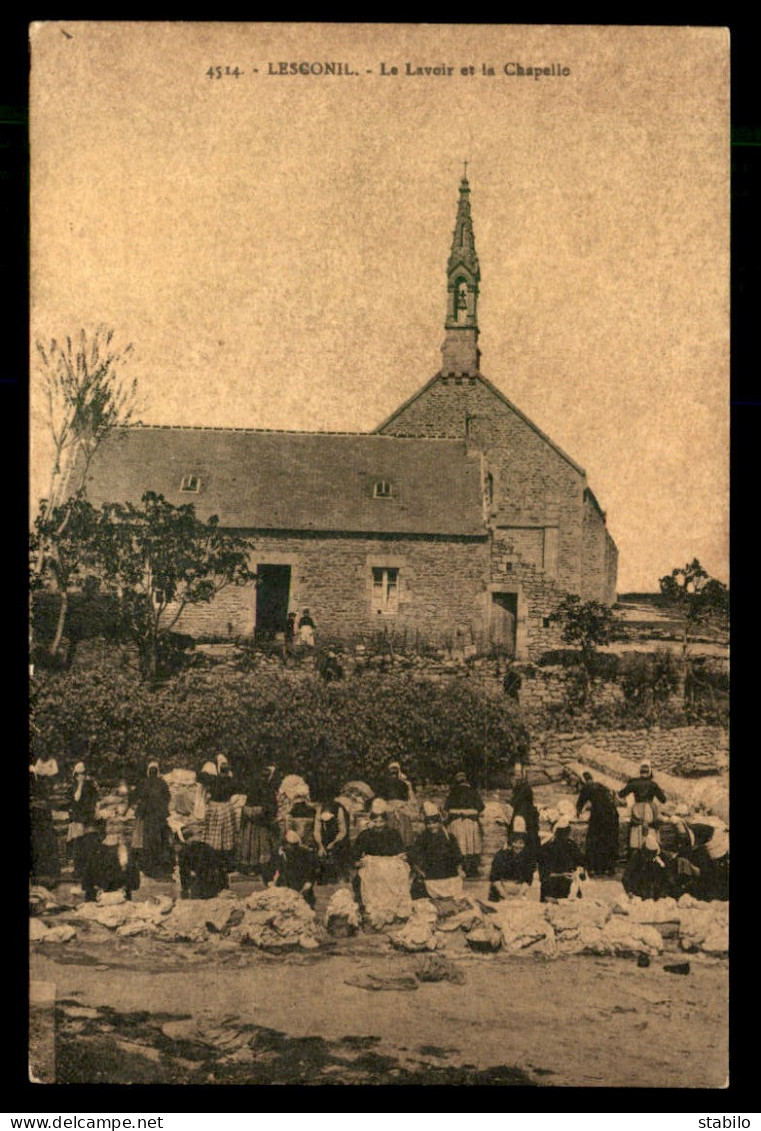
x=88, y=400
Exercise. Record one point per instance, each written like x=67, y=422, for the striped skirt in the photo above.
x=467, y=833
x=219, y=826
x=257, y=840
x=642, y=816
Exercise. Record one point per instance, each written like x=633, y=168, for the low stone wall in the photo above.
x=691, y=751
x=547, y=688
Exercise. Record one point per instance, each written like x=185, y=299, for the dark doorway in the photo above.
x=273, y=587
x=503, y=621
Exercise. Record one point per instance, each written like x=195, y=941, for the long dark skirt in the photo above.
x=602, y=842
x=152, y=842
x=105, y=872
x=555, y=887
x=81, y=849
x=202, y=871
x=44, y=847
x=336, y=865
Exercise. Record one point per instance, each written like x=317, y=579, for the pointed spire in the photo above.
x=463, y=242
x=460, y=350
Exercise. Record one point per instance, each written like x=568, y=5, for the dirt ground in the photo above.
x=136, y=1010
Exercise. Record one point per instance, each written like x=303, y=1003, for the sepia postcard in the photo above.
x=379, y=510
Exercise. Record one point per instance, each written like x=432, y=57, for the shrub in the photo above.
x=648, y=680
x=327, y=732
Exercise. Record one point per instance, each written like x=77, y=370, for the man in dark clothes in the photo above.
x=436, y=858
x=83, y=836
x=560, y=863
x=292, y=866
x=602, y=830
x=512, y=866
x=331, y=668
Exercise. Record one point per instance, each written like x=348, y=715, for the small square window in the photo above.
x=385, y=590
x=382, y=489
x=190, y=483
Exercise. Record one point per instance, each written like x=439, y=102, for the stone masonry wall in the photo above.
x=534, y=486
x=675, y=750
x=442, y=595
x=545, y=688
x=599, y=557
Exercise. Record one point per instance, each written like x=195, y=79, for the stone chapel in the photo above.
x=456, y=523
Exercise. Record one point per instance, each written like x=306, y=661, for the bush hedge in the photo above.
x=327, y=732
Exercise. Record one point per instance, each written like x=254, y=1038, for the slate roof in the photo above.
x=298, y=481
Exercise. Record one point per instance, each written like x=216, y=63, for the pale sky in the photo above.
x=275, y=246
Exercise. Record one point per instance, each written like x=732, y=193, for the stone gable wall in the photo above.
x=535, y=487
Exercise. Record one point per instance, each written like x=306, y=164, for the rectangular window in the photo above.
x=190, y=483
x=382, y=489
x=385, y=591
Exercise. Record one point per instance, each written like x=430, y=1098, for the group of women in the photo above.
x=288, y=839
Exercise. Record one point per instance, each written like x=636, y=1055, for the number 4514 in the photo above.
x=219, y=72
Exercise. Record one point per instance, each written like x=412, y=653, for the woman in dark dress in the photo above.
x=522, y=804
x=292, y=866
x=644, y=815
x=331, y=836
x=397, y=791
x=435, y=857
x=219, y=831
x=382, y=883
x=258, y=832
x=602, y=830
x=512, y=868
x=82, y=836
x=45, y=867
x=560, y=863
x=647, y=873
x=462, y=811
x=151, y=837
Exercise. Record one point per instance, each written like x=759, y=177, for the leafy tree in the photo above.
x=87, y=401
x=587, y=624
x=159, y=559
x=698, y=599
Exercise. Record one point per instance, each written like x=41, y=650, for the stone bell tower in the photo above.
x=461, y=355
